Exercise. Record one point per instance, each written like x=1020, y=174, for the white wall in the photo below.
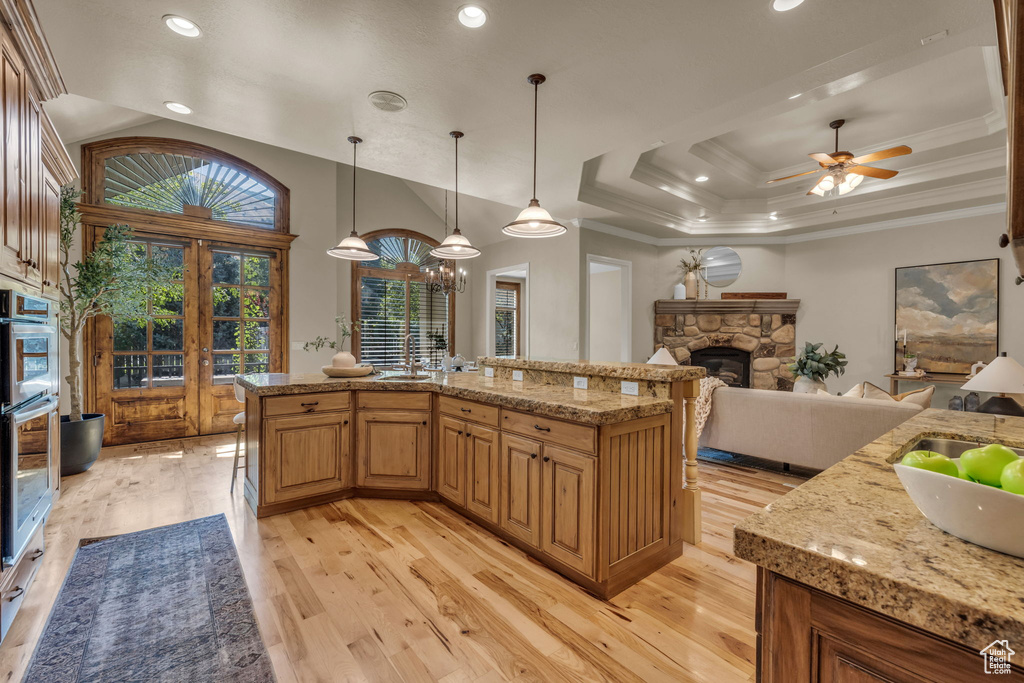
x=606, y=315
x=553, y=318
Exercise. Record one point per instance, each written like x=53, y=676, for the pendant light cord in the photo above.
x=354, y=146
x=456, y=184
x=446, y=213
x=535, y=87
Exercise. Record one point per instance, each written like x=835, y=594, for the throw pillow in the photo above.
x=921, y=397
x=856, y=392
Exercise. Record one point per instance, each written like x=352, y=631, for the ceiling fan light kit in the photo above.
x=353, y=248
x=843, y=171
x=534, y=221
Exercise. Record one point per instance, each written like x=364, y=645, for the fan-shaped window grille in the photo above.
x=190, y=185
x=403, y=252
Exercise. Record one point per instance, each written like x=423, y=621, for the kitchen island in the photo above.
x=855, y=584
x=588, y=481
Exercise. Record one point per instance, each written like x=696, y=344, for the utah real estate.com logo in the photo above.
x=997, y=657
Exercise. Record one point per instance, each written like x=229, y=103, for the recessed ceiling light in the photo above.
x=773, y=217
x=182, y=26
x=702, y=219
x=793, y=97
x=701, y=179
x=472, y=16
x=178, y=107
x=785, y=5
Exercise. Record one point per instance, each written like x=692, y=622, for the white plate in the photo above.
x=983, y=515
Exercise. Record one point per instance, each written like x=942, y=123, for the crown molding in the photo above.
x=20, y=18
x=728, y=161
x=659, y=178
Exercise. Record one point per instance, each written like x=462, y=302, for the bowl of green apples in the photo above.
x=974, y=491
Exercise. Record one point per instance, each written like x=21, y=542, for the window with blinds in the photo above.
x=395, y=300
x=506, y=319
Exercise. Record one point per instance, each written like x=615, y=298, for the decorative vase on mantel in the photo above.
x=690, y=283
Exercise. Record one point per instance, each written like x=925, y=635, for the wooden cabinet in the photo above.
x=482, y=465
x=393, y=449
x=805, y=636
x=32, y=189
x=306, y=455
x=520, y=488
x=51, y=232
x=568, y=516
x=451, y=460
x=12, y=98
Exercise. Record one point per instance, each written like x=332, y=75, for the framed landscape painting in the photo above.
x=950, y=312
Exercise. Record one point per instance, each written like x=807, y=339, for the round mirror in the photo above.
x=720, y=266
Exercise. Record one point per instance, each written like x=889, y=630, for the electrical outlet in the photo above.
x=517, y=375
x=488, y=372
x=579, y=382
x=631, y=388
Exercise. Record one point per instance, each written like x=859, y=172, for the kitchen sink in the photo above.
x=404, y=378
x=952, y=448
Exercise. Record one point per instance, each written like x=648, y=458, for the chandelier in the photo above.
x=445, y=279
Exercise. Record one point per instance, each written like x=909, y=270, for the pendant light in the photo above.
x=455, y=246
x=534, y=221
x=353, y=248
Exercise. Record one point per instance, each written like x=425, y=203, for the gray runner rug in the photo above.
x=165, y=604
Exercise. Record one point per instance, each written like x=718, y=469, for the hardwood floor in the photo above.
x=378, y=590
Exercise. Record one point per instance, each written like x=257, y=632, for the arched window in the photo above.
x=391, y=299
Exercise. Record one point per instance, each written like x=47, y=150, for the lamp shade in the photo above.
x=455, y=246
x=353, y=248
x=534, y=221
x=1003, y=375
x=662, y=357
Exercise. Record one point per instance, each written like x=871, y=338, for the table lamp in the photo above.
x=1002, y=376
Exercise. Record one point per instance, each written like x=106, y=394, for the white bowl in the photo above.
x=983, y=515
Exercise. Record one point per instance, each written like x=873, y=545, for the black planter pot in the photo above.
x=80, y=442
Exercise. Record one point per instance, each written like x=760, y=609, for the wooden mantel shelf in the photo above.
x=678, y=306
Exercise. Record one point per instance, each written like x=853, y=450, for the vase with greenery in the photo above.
x=814, y=365
x=116, y=279
x=691, y=265
x=342, y=359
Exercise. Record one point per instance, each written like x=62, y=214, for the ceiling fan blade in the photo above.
x=884, y=154
x=823, y=158
x=795, y=175
x=872, y=172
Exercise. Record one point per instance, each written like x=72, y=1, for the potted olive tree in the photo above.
x=115, y=279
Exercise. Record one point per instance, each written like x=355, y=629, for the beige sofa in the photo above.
x=811, y=430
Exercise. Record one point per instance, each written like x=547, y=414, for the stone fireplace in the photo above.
x=763, y=328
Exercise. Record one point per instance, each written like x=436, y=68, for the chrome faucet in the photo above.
x=410, y=352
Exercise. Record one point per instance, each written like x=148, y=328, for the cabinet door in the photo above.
x=520, y=488
x=306, y=455
x=51, y=231
x=32, y=188
x=12, y=82
x=568, y=514
x=482, y=472
x=393, y=450
x=451, y=460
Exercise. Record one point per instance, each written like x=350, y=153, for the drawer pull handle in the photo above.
x=345, y=422
x=533, y=455
x=466, y=410
x=542, y=429
x=314, y=403
x=424, y=423
x=547, y=459
x=15, y=594
x=37, y=554
x=460, y=432
x=468, y=434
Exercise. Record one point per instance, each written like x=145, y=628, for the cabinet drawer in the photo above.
x=469, y=410
x=17, y=579
x=306, y=403
x=394, y=400
x=581, y=437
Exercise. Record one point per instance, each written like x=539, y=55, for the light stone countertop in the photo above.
x=589, y=407
x=629, y=371
x=853, y=532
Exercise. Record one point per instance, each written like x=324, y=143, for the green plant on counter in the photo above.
x=816, y=364
x=346, y=329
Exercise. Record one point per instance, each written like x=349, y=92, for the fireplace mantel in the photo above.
x=725, y=306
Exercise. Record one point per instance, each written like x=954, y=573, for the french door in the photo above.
x=172, y=375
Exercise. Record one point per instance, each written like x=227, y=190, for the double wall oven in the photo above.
x=29, y=383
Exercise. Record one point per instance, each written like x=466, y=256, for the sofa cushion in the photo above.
x=921, y=397
x=856, y=392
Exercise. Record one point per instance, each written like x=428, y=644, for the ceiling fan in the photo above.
x=843, y=171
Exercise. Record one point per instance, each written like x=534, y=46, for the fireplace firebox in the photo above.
x=732, y=366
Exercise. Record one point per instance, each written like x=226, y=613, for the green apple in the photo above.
x=1012, y=478
x=929, y=460
x=985, y=465
x=963, y=473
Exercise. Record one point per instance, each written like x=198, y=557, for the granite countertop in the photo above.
x=590, y=407
x=654, y=373
x=853, y=532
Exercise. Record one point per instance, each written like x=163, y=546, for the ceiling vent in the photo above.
x=388, y=101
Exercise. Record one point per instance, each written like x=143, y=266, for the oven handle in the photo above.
x=20, y=417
